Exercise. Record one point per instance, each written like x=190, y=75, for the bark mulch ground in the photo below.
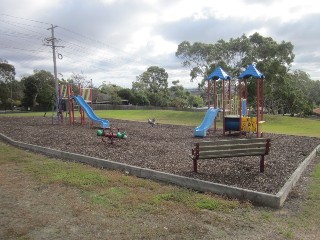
x=166, y=148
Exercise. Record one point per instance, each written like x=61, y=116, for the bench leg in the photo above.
x=262, y=164
x=195, y=165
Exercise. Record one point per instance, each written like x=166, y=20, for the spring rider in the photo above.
x=111, y=134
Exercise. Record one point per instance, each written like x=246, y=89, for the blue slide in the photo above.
x=208, y=120
x=90, y=113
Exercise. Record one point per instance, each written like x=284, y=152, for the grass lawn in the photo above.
x=104, y=196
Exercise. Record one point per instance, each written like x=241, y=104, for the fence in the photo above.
x=135, y=107
x=124, y=107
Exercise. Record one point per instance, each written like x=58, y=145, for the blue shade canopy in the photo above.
x=218, y=73
x=251, y=71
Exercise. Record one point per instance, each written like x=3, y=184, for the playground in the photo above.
x=166, y=148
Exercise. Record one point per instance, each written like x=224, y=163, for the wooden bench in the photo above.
x=231, y=148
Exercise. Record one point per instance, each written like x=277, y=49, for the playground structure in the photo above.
x=235, y=116
x=66, y=104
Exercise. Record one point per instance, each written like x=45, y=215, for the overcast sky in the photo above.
x=114, y=41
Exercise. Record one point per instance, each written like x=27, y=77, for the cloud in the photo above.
x=115, y=41
x=29, y=8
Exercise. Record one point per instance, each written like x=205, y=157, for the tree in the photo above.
x=80, y=78
x=111, y=91
x=30, y=92
x=299, y=99
x=178, y=95
x=140, y=98
x=195, y=57
x=314, y=90
x=139, y=90
x=154, y=84
x=7, y=75
x=195, y=101
x=160, y=99
x=4, y=95
x=271, y=58
x=126, y=94
x=155, y=79
x=7, y=71
x=39, y=89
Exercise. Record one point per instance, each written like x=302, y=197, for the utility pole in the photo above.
x=52, y=43
x=53, y=40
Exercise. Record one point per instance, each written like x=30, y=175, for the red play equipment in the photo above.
x=67, y=103
x=68, y=97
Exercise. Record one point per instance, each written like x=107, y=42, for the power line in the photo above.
x=79, y=48
x=24, y=19
x=124, y=56
x=21, y=49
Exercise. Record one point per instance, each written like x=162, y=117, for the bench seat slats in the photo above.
x=233, y=141
x=231, y=148
x=228, y=146
x=232, y=153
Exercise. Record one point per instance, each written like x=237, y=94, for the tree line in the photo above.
x=37, y=91
x=285, y=91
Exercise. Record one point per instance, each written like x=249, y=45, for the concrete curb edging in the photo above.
x=291, y=182
x=265, y=199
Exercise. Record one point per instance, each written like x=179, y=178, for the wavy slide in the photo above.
x=201, y=131
x=90, y=113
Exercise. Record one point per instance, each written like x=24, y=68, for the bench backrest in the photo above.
x=232, y=148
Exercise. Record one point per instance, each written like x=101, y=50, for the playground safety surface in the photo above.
x=166, y=148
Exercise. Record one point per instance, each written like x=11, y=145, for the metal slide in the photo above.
x=201, y=131
x=90, y=113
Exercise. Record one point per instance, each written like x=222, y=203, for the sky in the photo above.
x=114, y=41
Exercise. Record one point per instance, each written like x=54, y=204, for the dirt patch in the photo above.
x=166, y=148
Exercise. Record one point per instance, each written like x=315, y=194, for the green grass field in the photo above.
x=127, y=198
x=273, y=123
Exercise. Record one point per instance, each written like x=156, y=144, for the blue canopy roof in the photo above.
x=218, y=73
x=251, y=71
